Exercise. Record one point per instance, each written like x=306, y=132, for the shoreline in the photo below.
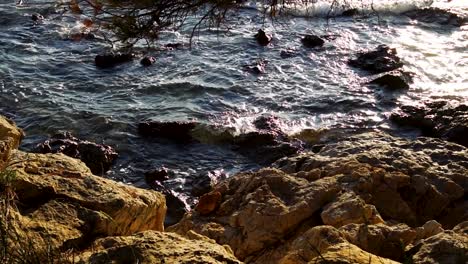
x=399, y=190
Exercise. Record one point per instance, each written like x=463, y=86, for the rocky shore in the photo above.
x=368, y=198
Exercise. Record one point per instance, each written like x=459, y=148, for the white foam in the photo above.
x=324, y=8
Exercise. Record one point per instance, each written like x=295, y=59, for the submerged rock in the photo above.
x=382, y=59
x=97, y=157
x=439, y=119
x=379, y=191
x=288, y=53
x=437, y=15
x=312, y=41
x=81, y=36
x=394, y=80
x=112, y=59
x=175, y=130
x=262, y=38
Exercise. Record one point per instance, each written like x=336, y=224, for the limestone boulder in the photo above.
x=408, y=181
x=60, y=201
x=373, y=194
x=381, y=240
x=325, y=244
x=349, y=208
x=157, y=247
x=444, y=248
x=259, y=209
x=10, y=138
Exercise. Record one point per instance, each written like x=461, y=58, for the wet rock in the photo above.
x=437, y=15
x=312, y=41
x=350, y=12
x=204, y=182
x=176, y=207
x=97, y=157
x=269, y=123
x=177, y=131
x=148, y=61
x=274, y=216
x=159, y=175
x=173, y=45
x=262, y=38
x=439, y=119
x=394, y=80
x=268, y=143
x=208, y=203
x=382, y=59
x=157, y=247
x=37, y=17
x=112, y=59
x=266, y=147
x=256, y=68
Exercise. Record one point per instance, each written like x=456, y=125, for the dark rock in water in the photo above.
x=437, y=15
x=255, y=139
x=382, y=59
x=256, y=68
x=81, y=36
x=37, y=17
x=439, y=119
x=350, y=12
x=148, y=61
x=394, y=80
x=176, y=207
x=269, y=123
x=111, y=60
x=157, y=175
x=97, y=157
x=262, y=38
x=173, y=45
x=268, y=143
x=178, y=131
x=312, y=41
x=204, y=182
x=288, y=53
x=266, y=146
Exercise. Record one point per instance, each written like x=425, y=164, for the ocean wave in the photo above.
x=314, y=8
